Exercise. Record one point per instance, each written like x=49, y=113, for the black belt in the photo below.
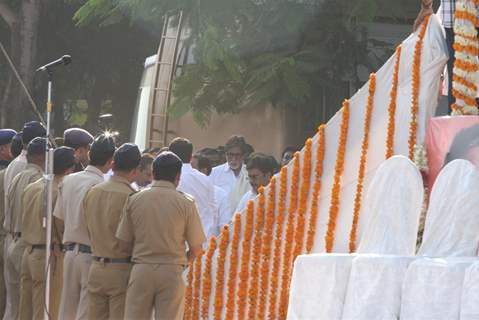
x=83, y=248
x=112, y=260
x=44, y=246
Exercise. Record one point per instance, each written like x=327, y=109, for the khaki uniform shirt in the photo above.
x=2, y=201
x=103, y=207
x=15, y=167
x=159, y=221
x=33, y=231
x=69, y=206
x=13, y=217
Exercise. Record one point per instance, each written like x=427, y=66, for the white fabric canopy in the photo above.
x=392, y=209
x=432, y=288
x=452, y=221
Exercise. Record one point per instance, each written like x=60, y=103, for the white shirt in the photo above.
x=224, y=212
x=250, y=195
x=69, y=205
x=202, y=190
x=235, y=186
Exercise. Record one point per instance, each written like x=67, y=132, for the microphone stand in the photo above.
x=48, y=218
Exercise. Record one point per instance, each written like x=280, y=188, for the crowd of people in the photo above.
x=125, y=222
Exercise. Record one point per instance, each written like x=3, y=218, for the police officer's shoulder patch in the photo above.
x=187, y=196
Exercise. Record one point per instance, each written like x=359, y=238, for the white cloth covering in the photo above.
x=392, y=209
x=318, y=286
x=470, y=293
x=200, y=187
x=452, y=221
x=221, y=202
x=432, y=288
x=374, y=289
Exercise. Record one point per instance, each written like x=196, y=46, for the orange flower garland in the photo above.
x=288, y=241
x=256, y=256
x=392, y=106
x=313, y=218
x=362, y=162
x=189, y=292
x=278, y=240
x=266, y=247
x=416, y=80
x=245, y=257
x=206, y=289
x=230, y=298
x=339, y=169
x=196, y=287
x=220, y=272
x=303, y=200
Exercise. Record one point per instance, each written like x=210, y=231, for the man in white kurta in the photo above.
x=197, y=185
x=232, y=175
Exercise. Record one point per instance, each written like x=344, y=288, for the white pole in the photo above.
x=47, y=220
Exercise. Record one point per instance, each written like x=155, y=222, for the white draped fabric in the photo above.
x=470, y=293
x=392, y=208
x=319, y=286
x=432, y=288
x=452, y=221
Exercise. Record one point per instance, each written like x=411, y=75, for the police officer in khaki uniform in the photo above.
x=76, y=241
x=34, y=234
x=159, y=222
x=80, y=140
x=33, y=171
x=30, y=131
x=111, y=265
x=6, y=137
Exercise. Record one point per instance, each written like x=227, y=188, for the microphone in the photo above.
x=66, y=59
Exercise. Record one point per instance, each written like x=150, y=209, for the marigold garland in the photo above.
x=303, y=200
x=466, y=46
x=392, y=106
x=313, y=218
x=245, y=258
x=206, y=289
x=196, y=286
x=338, y=173
x=362, y=162
x=416, y=81
x=278, y=237
x=256, y=256
x=220, y=272
x=266, y=247
x=288, y=241
x=233, y=270
x=189, y=292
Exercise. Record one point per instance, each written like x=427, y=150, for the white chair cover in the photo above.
x=374, y=289
x=470, y=293
x=432, y=288
x=318, y=286
x=452, y=221
x=392, y=209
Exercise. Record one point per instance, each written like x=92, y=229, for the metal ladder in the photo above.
x=165, y=67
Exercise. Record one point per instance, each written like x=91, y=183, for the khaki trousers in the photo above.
x=33, y=282
x=107, y=284
x=3, y=293
x=74, y=301
x=13, y=265
x=158, y=287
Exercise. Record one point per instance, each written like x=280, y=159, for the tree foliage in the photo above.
x=252, y=52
